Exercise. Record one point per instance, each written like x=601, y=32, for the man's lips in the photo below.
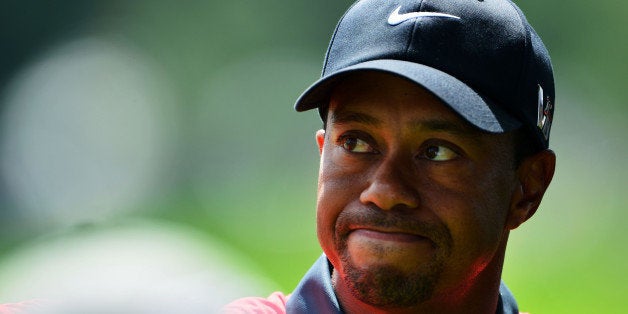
x=386, y=235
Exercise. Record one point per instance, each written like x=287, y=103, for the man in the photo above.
x=435, y=145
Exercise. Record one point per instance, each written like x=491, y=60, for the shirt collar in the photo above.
x=314, y=294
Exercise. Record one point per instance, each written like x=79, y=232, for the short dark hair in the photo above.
x=524, y=146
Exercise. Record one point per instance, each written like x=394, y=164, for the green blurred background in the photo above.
x=181, y=112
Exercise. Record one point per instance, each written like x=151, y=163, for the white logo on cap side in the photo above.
x=545, y=113
x=395, y=18
x=540, y=118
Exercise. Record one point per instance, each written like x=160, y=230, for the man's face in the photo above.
x=412, y=201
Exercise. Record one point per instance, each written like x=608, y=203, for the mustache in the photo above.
x=401, y=219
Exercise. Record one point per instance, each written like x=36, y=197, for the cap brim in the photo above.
x=473, y=107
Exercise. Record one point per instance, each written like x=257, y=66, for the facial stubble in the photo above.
x=387, y=285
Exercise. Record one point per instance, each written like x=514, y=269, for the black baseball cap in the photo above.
x=480, y=57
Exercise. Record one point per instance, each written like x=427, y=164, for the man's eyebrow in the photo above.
x=436, y=124
x=346, y=116
x=448, y=126
x=457, y=128
x=460, y=128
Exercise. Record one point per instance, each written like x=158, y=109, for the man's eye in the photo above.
x=355, y=145
x=439, y=153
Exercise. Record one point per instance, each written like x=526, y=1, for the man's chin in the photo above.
x=390, y=286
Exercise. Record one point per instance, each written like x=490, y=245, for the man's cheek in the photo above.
x=325, y=229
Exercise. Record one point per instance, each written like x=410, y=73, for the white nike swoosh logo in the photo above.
x=395, y=18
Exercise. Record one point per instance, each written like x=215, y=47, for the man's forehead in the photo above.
x=343, y=115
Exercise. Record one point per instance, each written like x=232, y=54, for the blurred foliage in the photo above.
x=243, y=165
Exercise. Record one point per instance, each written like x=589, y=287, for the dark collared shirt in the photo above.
x=314, y=294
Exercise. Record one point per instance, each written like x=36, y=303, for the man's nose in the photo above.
x=391, y=185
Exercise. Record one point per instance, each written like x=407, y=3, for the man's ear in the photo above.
x=534, y=176
x=320, y=140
